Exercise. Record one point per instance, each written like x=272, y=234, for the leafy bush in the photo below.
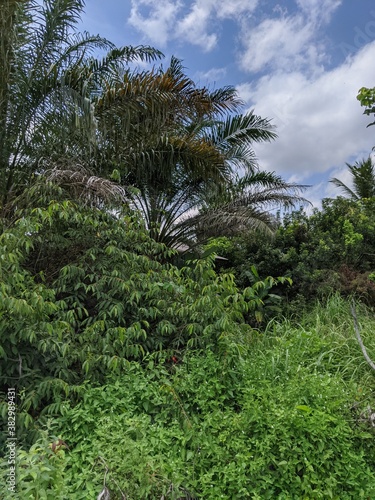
x=40, y=472
x=331, y=250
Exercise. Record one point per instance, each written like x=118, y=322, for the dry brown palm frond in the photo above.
x=84, y=185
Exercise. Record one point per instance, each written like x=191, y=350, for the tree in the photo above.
x=180, y=148
x=175, y=143
x=47, y=80
x=366, y=97
x=170, y=208
x=150, y=123
x=363, y=176
x=189, y=212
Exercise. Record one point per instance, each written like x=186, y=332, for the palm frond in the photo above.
x=225, y=100
x=244, y=129
x=86, y=186
x=236, y=136
x=345, y=189
x=363, y=178
x=231, y=220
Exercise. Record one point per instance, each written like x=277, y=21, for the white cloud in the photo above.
x=319, y=10
x=165, y=20
x=194, y=26
x=320, y=122
x=288, y=41
x=157, y=24
x=279, y=43
x=210, y=76
x=235, y=8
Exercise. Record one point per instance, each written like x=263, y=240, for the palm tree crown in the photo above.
x=47, y=79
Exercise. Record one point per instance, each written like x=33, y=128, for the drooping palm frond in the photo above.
x=82, y=184
x=231, y=220
x=363, y=178
x=206, y=103
x=226, y=100
x=262, y=185
x=198, y=159
x=247, y=204
x=189, y=213
x=345, y=189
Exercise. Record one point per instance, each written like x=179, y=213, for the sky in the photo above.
x=299, y=63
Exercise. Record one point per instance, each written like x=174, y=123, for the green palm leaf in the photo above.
x=363, y=178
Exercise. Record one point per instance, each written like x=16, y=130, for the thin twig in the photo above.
x=107, y=469
x=359, y=338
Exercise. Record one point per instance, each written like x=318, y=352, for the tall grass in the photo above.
x=323, y=342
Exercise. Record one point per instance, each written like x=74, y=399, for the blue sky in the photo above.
x=297, y=62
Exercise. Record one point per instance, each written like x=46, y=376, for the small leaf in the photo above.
x=304, y=408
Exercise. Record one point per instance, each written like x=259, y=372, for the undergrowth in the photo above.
x=286, y=416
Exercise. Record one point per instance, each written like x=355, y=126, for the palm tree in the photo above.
x=47, y=79
x=188, y=209
x=147, y=125
x=363, y=177
x=177, y=145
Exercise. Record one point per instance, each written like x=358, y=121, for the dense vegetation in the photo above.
x=144, y=366
x=150, y=372
x=331, y=249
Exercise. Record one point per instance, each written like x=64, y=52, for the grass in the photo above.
x=323, y=339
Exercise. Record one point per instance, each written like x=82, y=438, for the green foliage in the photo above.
x=366, y=97
x=330, y=250
x=282, y=420
x=40, y=471
x=155, y=383
x=83, y=292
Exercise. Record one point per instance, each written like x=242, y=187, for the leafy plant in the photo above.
x=84, y=292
